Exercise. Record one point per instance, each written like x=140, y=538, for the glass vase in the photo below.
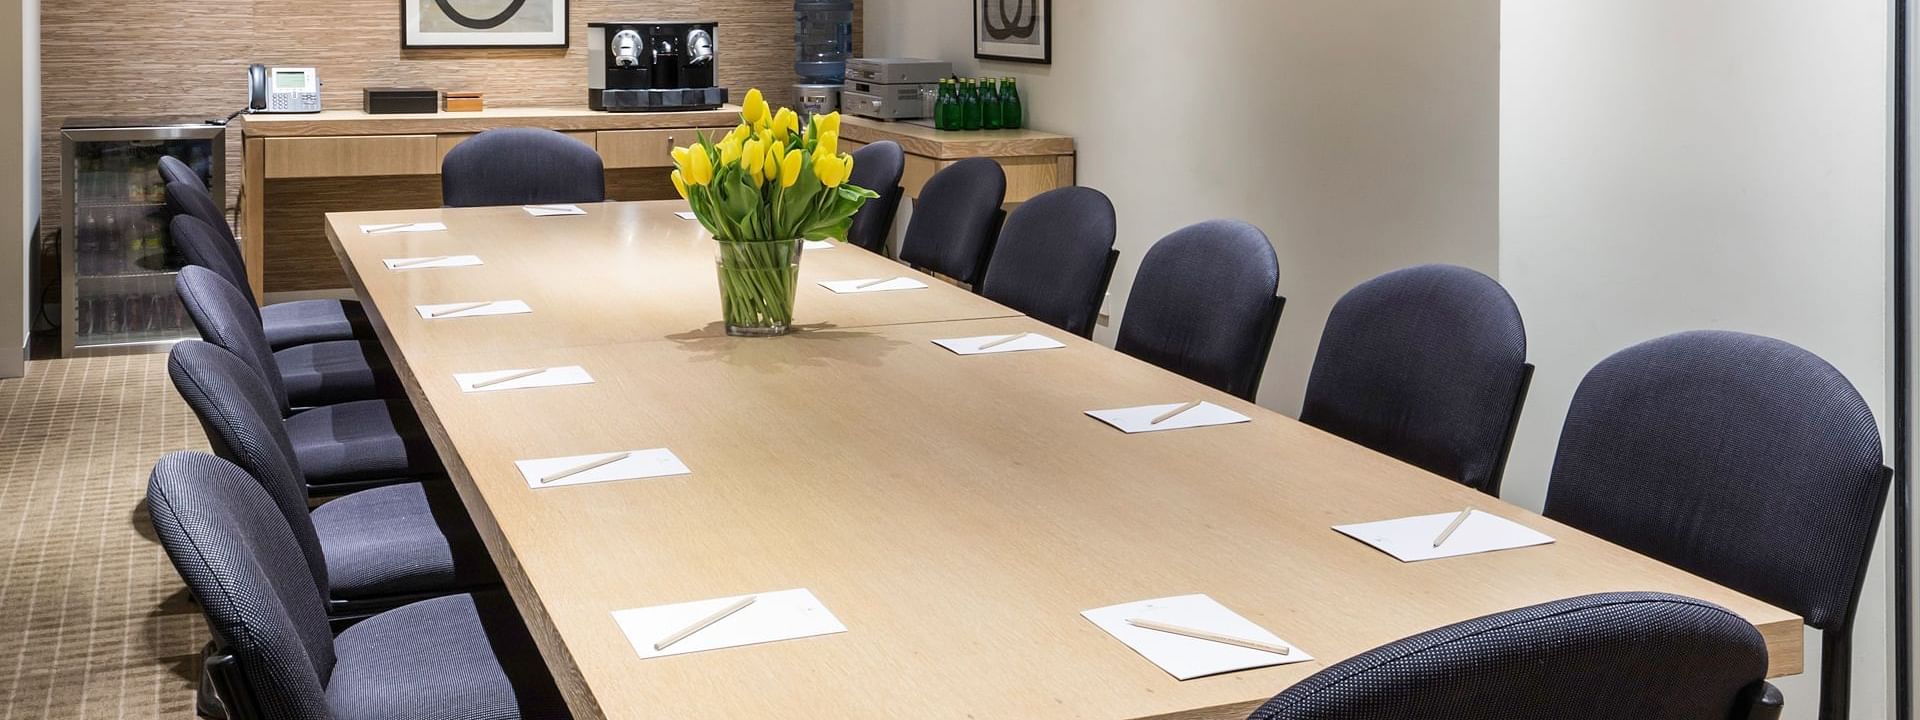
x=757, y=285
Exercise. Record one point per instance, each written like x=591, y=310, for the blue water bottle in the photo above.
x=823, y=35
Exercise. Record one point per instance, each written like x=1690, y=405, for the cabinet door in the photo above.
x=648, y=148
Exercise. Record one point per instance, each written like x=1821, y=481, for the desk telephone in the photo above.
x=283, y=89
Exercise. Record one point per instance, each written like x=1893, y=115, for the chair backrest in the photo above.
x=1646, y=656
x=1054, y=258
x=191, y=199
x=521, y=166
x=1204, y=306
x=877, y=167
x=244, y=427
x=956, y=220
x=173, y=170
x=1742, y=459
x=236, y=555
x=225, y=317
x=1427, y=365
x=206, y=247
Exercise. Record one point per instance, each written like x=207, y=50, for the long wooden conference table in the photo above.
x=955, y=513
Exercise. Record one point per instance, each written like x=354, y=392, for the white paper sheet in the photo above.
x=391, y=228
x=419, y=263
x=1185, y=657
x=1140, y=419
x=688, y=215
x=496, y=307
x=773, y=616
x=638, y=465
x=852, y=287
x=552, y=210
x=972, y=345
x=1411, y=539
x=552, y=377
x=817, y=245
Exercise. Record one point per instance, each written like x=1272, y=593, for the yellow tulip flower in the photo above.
x=785, y=124
x=829, y=143
x=753, y=159
x=827, y=168
x=680, y=183
x=828, y=123
x=754, y=109
x=772, y=167
x=790, y=167
x=699, y=167
x=679, y=157
x=729, y=152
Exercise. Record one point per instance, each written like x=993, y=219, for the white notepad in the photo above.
x=1185, y=657
x=431, y=262
x=773, y=616
x=850, y=287
x=496, y=307
x=390, y=228
x=637, y=465
x=973, y=345
x=1411, y=539
x=552, y=210
x=549, y=377
x=816, y=245
x=687, y=215
x=1140, y=419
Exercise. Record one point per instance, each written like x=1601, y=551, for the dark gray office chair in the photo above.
x=286, y=324
x=310, y=375
x=1055, y=258
x=1646, y=656
x=369, y=550
x=1204, y=305
x=956, y=220
x=1428, y=365
x=521, y=166
x=1742, y=459
x=458, y=656
x=877, y=167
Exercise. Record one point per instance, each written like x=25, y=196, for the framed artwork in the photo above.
x=1017, y=30
x=483, y=23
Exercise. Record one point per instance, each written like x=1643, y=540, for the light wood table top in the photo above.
x=957, y=513
x=624, y=272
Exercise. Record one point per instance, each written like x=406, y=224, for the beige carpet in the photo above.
x=93, y=621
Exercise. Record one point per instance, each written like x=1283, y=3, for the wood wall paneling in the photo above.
x=191, y=55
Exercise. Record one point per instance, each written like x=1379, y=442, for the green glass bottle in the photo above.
x=943, y=106
x=990, y=110
x=956, y=111
x=970, y=101
x=1011, y=114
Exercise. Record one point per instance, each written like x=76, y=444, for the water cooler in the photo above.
x=823, y=38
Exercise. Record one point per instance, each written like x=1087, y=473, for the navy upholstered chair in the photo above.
x=521, y=166
x=1646, y=656
x=286, y=324
x=457, y=656
x=1055, y=257
x=1428, y=365
x=1204, y=305
x=310, y=375
x=877, y=167
x=956, y=220
x=1742, y=459
x=173, y=170
x=331, y=450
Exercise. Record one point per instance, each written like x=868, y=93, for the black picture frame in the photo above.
x=411, y=39
x=985, y=48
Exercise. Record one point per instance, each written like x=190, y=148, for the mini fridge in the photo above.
x=117, y=262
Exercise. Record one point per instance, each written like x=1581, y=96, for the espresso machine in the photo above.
x=651, y=66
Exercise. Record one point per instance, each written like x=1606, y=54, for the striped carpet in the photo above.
x=93, y=621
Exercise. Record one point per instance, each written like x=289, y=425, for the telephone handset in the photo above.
x=282, y=89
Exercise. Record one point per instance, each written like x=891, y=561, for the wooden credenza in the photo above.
x=297, y=168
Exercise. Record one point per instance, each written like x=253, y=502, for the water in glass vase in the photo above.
x=757, y=285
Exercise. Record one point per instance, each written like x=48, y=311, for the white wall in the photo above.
x=1680, y=164
x=19, y=176
x=1360, y=134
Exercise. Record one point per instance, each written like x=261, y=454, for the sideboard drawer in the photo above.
x=352, y=156
x=648, y=148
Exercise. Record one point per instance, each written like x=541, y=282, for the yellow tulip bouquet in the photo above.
x=762, y=190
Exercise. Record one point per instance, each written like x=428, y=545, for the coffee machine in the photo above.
x=653, y=65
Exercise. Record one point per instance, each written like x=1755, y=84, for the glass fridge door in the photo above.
x=121, y=260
